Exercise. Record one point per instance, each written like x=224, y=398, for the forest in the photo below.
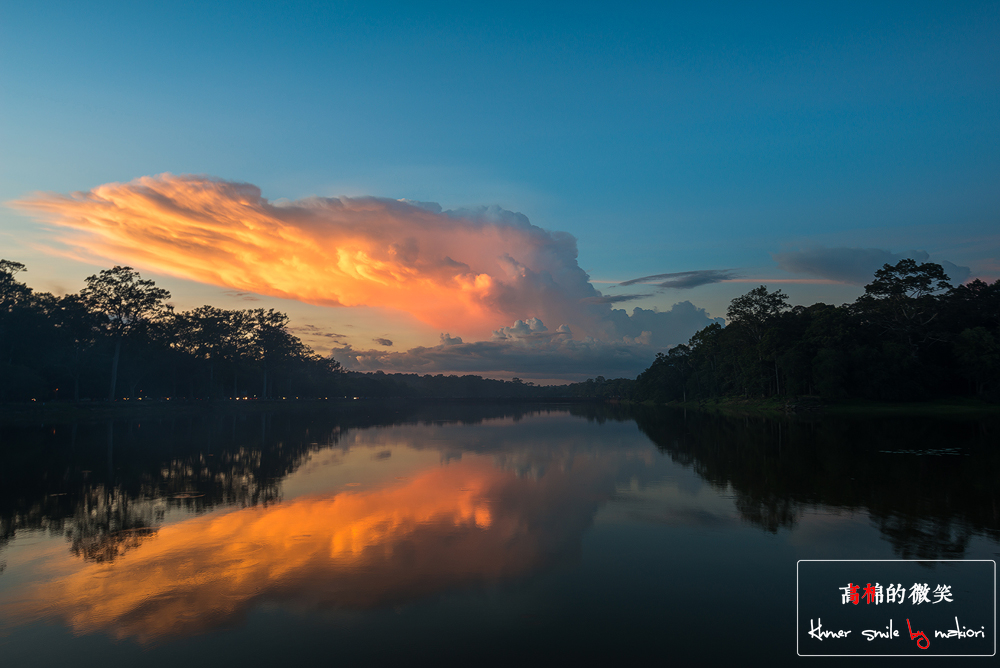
x=119, y=339
x=911, y=336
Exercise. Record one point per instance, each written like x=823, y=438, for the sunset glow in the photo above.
x=443, y=333
x=444, y=528
x=468, y=273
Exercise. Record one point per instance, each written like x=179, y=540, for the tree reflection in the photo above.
x=470, y=523
x=106, y=486
x=928, y=485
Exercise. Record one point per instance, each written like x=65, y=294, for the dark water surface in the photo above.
x=473, y=534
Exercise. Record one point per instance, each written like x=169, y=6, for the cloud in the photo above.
x=464, y=271
x=467, y=269
x=314, y=331
x=544, y=358
x=664, y=328
x=683, y=280
x=614, y=299
x=856, y=266
x=245, y=296
x=531, y=350
x=533, y=328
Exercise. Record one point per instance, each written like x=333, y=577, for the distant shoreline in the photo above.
x=804, y=406
x=770, y=407
x=54, y=411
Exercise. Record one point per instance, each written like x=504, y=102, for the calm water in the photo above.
x=456, y=533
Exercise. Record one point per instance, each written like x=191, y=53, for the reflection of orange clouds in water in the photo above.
x=459, y=524
x=449, y=272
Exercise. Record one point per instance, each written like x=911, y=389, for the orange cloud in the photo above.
x=452, y=526
x=460, y=271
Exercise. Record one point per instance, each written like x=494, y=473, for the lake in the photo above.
x=488, y=534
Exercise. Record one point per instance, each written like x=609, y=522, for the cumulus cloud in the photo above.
x=856, y=266
x=662, y=329
x=682, y=280
x=465, y=271
x=470, y=268
x=533, y=328
x=541, y=358
x=531, y=350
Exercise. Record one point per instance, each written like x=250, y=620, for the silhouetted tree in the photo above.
x=750, y=317
x=902, y=302
x=128, y=303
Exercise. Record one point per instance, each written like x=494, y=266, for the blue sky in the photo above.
x=664, y=137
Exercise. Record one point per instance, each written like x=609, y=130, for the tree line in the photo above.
x=118, y=338
x=910, y=336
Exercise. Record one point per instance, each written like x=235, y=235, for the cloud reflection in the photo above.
x=457, y=525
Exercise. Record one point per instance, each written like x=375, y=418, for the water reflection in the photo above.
x=467, y=522
x=929, y=485
x=179, y=527
x=471, y=520
x=94, y=482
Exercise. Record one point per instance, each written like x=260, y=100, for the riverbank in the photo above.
x=53, y=411
x=808, y=405
x=802, y=406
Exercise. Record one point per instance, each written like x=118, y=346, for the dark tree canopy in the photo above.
x=11, y=291
x=908, y=280
x=910, y=336
x=125, y=298
x=756, y=308
x=902, y=302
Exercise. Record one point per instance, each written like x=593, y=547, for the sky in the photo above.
x=547, y=191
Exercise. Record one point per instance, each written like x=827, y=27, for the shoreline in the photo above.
x=811, y=405
x=53, y=411
x=769, y=407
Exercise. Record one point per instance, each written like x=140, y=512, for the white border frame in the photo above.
x=798, y=635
